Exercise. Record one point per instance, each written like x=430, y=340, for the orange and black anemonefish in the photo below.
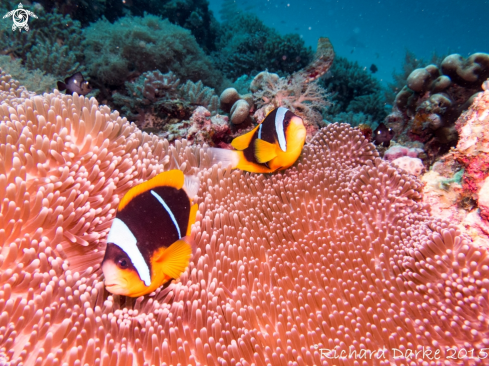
x=275, y=144
x=148, y=243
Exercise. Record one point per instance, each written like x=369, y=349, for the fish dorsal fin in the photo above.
x=243, y=141
x=175, y=258
x=264, y=151
x=172, y=178
x=191, y=218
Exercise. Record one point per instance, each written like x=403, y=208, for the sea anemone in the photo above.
x=334, y=254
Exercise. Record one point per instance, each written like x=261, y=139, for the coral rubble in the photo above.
x=333, y=253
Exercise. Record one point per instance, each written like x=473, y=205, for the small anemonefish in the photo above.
x=383, y=135
x=75, y=83
x=275, y=144
x=148, y=243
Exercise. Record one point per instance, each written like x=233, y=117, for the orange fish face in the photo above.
x=121, y=278
x=275, y=144
x=295, y=135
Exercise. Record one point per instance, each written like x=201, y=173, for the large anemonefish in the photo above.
x=147, y=243
x=275, y=144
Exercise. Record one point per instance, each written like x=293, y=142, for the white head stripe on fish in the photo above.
x=123, y=237
x=165, y=206
x=259, y=131
x=279, y=127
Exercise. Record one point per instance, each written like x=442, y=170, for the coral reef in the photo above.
x=353, y=89
x=299, y=92
x=36, y=81
x=336, y=251
x=457, y=181
x=120, y=52
x=427, y=107
x=152, y=99
x=159, y=104
x=247, y=46
x=53, y=44
x=411, y=165
x=304, y=98
x=193, y=15
x=205, y=129
x=238, y=106
x=200, y=95
x=399, y=151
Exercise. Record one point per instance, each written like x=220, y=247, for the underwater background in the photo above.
x=327, y=163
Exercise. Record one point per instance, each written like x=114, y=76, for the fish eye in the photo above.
x=123, y=263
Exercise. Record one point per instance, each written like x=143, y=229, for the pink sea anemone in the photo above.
x=336, y=253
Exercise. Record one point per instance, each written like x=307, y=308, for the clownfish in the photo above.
x=275, y=144
x=148, y=243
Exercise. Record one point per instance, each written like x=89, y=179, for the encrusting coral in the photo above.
x=336, y=252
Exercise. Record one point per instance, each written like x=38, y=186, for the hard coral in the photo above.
x=432, y=101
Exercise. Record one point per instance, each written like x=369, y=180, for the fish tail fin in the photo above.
x=176, y=258
x=61, y=86
x=225, y=157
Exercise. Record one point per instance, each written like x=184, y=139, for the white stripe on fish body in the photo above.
x=259, y=131
x=279, y=127
x=123, y=237
x=165, y=206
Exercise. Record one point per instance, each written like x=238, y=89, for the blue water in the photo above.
x=379, y=32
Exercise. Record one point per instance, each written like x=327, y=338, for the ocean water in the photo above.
x=379, y=32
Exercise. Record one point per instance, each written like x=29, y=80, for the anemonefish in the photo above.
x=148, y=242
x=383, y=135
x=275, y=144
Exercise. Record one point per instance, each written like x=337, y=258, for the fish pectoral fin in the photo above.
x=175, y=258
x=264, y=151
x=243, y=141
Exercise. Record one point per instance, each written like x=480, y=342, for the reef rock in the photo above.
x=411, y=165
x=427, y=107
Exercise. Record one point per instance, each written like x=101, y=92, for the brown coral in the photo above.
x=335, y=252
